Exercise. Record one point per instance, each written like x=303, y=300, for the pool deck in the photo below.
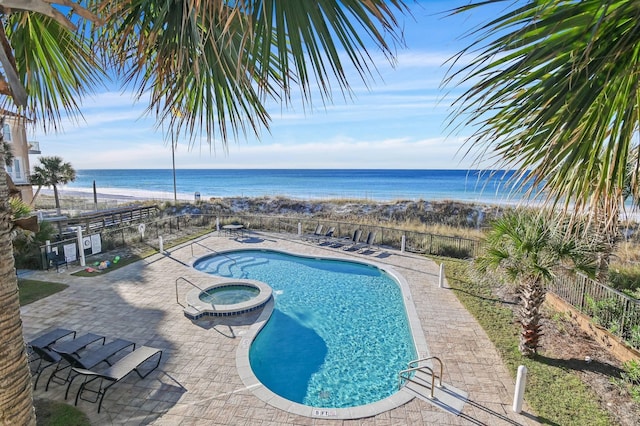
x=197, y=381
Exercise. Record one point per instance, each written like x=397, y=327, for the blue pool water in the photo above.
x=338, y=335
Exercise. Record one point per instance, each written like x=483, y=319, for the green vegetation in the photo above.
x=631, y=379
x=52, y=413
x=556, y=395
x=32, y=290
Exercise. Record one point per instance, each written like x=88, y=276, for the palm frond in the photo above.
x=555, y=92
x=56, y=66
x=210, y=66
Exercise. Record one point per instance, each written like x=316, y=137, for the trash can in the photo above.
x=196, y=196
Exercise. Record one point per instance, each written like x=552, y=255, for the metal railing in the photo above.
x=406, y=375
x=188, y=282
x=211, y=250
x=607, y=307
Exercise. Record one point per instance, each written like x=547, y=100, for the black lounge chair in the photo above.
x=115, y=373
x=316, y=233
x=46, y=356
x=321, y=238
x=371, y=237
x=346, y=243
x=51, y=337
x=87, y=361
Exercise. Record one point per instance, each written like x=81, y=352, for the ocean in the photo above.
x=379, y=185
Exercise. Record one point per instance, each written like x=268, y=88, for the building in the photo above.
x=16, y=135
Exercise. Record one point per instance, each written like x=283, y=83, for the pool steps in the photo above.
x=226, y=267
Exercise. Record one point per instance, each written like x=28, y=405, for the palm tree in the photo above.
x=52, y=171
x=554, y=94
x=208, y=68
x=525, y=248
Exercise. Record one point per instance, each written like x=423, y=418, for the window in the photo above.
x=7, y=132
x=15, y=170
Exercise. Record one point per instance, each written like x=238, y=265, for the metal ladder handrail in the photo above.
x=189, y=282
x=421, y=368
x=418, y=361
x=408, y=379
x=211, y=250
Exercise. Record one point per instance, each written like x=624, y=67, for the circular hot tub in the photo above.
x=229, y=294
x=226, y=299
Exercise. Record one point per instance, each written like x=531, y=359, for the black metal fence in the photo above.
x=607, y=307
x=144, y=234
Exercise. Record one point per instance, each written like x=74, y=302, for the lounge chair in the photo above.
x=87, y=360
x=46, y=357
x=316, y=233
x=344, y=242
x=51, y=337
x=371, y=237
x=115, y=373
x=327, y=236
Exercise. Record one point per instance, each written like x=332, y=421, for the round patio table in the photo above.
x=233, y=230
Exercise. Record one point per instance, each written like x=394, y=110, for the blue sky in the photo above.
x=399, y=121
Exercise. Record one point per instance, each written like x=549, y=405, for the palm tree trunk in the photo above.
x=33, y=199
x=532, y=296
x=16, y=399
x=55, y=195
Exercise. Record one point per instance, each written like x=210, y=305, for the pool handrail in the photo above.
x=404, y=375
x=187, y=281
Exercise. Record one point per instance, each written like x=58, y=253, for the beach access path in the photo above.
x=197, y=381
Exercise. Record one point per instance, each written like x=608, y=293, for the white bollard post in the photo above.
x=299, y=229
x=48, y=244
x=403, y=243
x=441, y=277
x=218, y=223
x=160, y=245
x=521, y=382
x=80, y=246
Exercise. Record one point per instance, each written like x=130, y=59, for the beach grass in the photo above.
x=32, y=290
x=556, y=395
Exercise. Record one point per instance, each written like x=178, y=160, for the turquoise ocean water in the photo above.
x=380, y=185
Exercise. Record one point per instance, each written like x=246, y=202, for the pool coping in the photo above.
x=395, y=400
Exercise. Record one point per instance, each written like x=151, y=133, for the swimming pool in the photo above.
x=338, y=335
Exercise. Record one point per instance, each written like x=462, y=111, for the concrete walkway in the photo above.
x=197, y=381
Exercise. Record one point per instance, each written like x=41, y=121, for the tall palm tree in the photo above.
x=526, y=248
x=207, y=66
x=52, y=171
x=554, y=93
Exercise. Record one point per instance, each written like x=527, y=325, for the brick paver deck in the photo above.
x=197, y=381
